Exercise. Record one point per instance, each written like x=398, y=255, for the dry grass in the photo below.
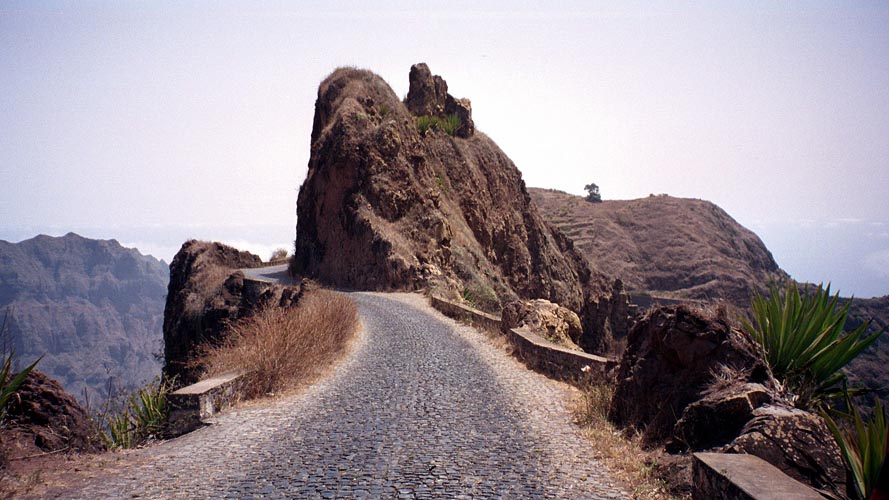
x=623, y=456
x=282, y=348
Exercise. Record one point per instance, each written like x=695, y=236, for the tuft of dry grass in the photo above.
x=623, y=455
x=282, y=348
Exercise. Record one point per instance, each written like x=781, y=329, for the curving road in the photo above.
x=423, y=408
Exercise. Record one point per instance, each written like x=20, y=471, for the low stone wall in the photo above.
x=467, y=314
x=190, y=406
x=725, y=476
x=556, y=361
x=536, y=352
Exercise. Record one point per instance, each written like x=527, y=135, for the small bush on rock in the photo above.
x=449, y=124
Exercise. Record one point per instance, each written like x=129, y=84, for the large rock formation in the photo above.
x=92, y=308
x=206, y=293
x=677, y=249
x=673, y=359
x=386, y=208
x=690, y=382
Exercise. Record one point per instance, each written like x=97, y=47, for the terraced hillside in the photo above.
x=663, y=246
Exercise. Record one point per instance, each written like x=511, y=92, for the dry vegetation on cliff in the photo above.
x=284, y=347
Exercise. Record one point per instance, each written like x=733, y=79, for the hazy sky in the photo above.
x=151, y=122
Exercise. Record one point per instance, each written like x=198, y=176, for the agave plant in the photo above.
x=863, y=445
x=9, y=386
x=803, y=340
x=144, y=416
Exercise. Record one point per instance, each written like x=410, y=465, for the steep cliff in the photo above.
x=92, y=308
x=391, y=204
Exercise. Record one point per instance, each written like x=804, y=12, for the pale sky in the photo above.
x=152, y=122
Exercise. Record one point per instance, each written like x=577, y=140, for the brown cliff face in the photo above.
x=384, y=207
x=207, y=293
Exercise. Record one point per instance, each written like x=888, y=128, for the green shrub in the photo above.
x=142, y=418
x=802, y=338
x=863, y=445
x=449, y=124
x=8, y=385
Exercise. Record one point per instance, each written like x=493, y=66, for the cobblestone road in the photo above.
x=422, y=408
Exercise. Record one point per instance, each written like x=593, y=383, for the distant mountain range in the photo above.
x=92, y=308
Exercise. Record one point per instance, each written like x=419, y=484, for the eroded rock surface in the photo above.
x=673, y=359
x=797, y=442
x=551, y=321
x=42, y=416
x=206, y=293
x=386, y=208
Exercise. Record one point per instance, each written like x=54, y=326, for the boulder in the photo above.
x=717, y=418
x=551, y=321
x=50, y=418
x=797, y=442
x=671, y=360
x=462, y=108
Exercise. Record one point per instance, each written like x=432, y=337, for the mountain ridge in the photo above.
x=92, y=308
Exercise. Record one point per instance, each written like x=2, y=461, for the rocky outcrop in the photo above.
x=719, y=417
x=797, y=442
x=92, y=308
x=690, y=382
x=550, y=321
x=672, y=363
x=386, y=208
x=428, y=96
x=207, y=293
x=41, y=414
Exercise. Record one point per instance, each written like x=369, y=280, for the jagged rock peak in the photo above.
x=385, y=206
x=428, y=95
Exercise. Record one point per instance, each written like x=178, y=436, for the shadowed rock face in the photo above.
x=92, y=308
x=386, y=208
x=206, y=294
x=672, y=359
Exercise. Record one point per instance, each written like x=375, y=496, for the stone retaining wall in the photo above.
x=536, y=352
x=725, y=476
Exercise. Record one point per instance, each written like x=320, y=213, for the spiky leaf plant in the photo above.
x=9, y=386
x=863, y=445
x=803, y=340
